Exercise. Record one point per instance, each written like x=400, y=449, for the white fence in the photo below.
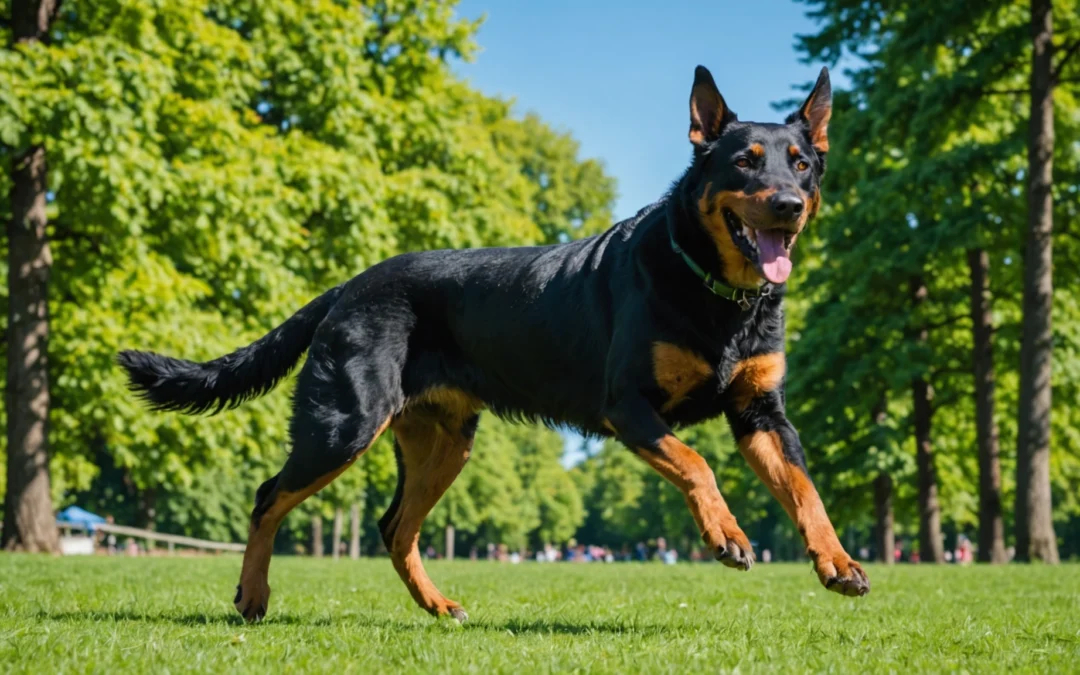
x=150, y=536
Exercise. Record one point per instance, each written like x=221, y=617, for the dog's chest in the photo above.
x=693, y=388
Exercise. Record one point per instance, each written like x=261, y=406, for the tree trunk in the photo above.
x=146, y=509
x=930, y=542
x=991, y=523
x=1034, y=514
x=354, y=538
x=316, y=537
x=29, y=522
x=449, y=542
x=28, y=514
x=885, y=537
x=339, y=521
x=884, y=531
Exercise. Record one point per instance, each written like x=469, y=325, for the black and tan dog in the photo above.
x=669, y=318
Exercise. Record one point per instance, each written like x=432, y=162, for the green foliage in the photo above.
x=927, y=158
x=215, y=165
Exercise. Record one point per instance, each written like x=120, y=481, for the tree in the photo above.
x=216, y=165
x=945, y=125
x=991, y=523
x=931, y=547
x=1034, y=511
x=29, y=523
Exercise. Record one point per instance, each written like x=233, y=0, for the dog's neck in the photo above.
x=685, y=228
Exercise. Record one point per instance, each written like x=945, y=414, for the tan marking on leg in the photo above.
x=253, y=596
x=793, y=489
x=433, y=452
x=755, y=376
x=678, y=371
x=455, y=404
x=690, y=473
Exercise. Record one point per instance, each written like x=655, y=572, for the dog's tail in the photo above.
x=185, y=386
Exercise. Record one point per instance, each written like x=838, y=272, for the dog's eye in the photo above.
x=742, y=163
x=801, y=165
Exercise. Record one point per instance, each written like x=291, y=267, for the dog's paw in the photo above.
x=840, y=574
x=734, y=549
x=459, y=614
x=252, y=601
x=734, y=555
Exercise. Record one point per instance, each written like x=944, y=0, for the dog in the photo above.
x=672, y=317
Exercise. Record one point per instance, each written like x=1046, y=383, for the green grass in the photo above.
x=175, y=614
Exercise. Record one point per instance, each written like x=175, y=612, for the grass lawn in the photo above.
x=174, y=614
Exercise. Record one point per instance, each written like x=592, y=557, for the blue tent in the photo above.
x=73, y=515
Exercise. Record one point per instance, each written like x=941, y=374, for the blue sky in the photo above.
x=617, y=75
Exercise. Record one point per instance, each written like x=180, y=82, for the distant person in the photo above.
x=110, y=538
x=641, y=552
x=766, y=556
x=964, y=551
x=131, y=548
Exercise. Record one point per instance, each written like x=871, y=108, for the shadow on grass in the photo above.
x=517, y=626
x=547, y=626
x=188, y=619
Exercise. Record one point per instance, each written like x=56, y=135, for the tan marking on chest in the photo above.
x=755, y=376
x=678, y=371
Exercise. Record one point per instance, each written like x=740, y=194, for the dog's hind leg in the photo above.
x=433, y=442
x=331, y=428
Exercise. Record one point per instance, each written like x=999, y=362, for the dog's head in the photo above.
x=755, y=186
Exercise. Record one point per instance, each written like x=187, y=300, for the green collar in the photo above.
x=740, y=296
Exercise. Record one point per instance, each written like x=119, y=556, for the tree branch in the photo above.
x=1070, y=51
x=951, y=370
x=946, y=322
x=1009, y=92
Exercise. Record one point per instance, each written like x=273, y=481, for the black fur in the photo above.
x=249, y=372
x=564, y=334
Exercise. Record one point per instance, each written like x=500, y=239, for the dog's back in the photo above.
x=500, y=324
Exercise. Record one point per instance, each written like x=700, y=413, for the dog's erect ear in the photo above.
x=708, y=112
x=816, y=111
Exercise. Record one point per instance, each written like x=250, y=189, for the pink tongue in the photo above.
x=774, y=259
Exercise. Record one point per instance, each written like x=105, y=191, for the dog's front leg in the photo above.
x=771, y=445
x=639, y=427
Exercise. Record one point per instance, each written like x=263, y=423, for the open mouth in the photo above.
x=768, y=250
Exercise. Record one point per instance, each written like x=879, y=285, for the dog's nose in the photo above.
x=786, y=205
